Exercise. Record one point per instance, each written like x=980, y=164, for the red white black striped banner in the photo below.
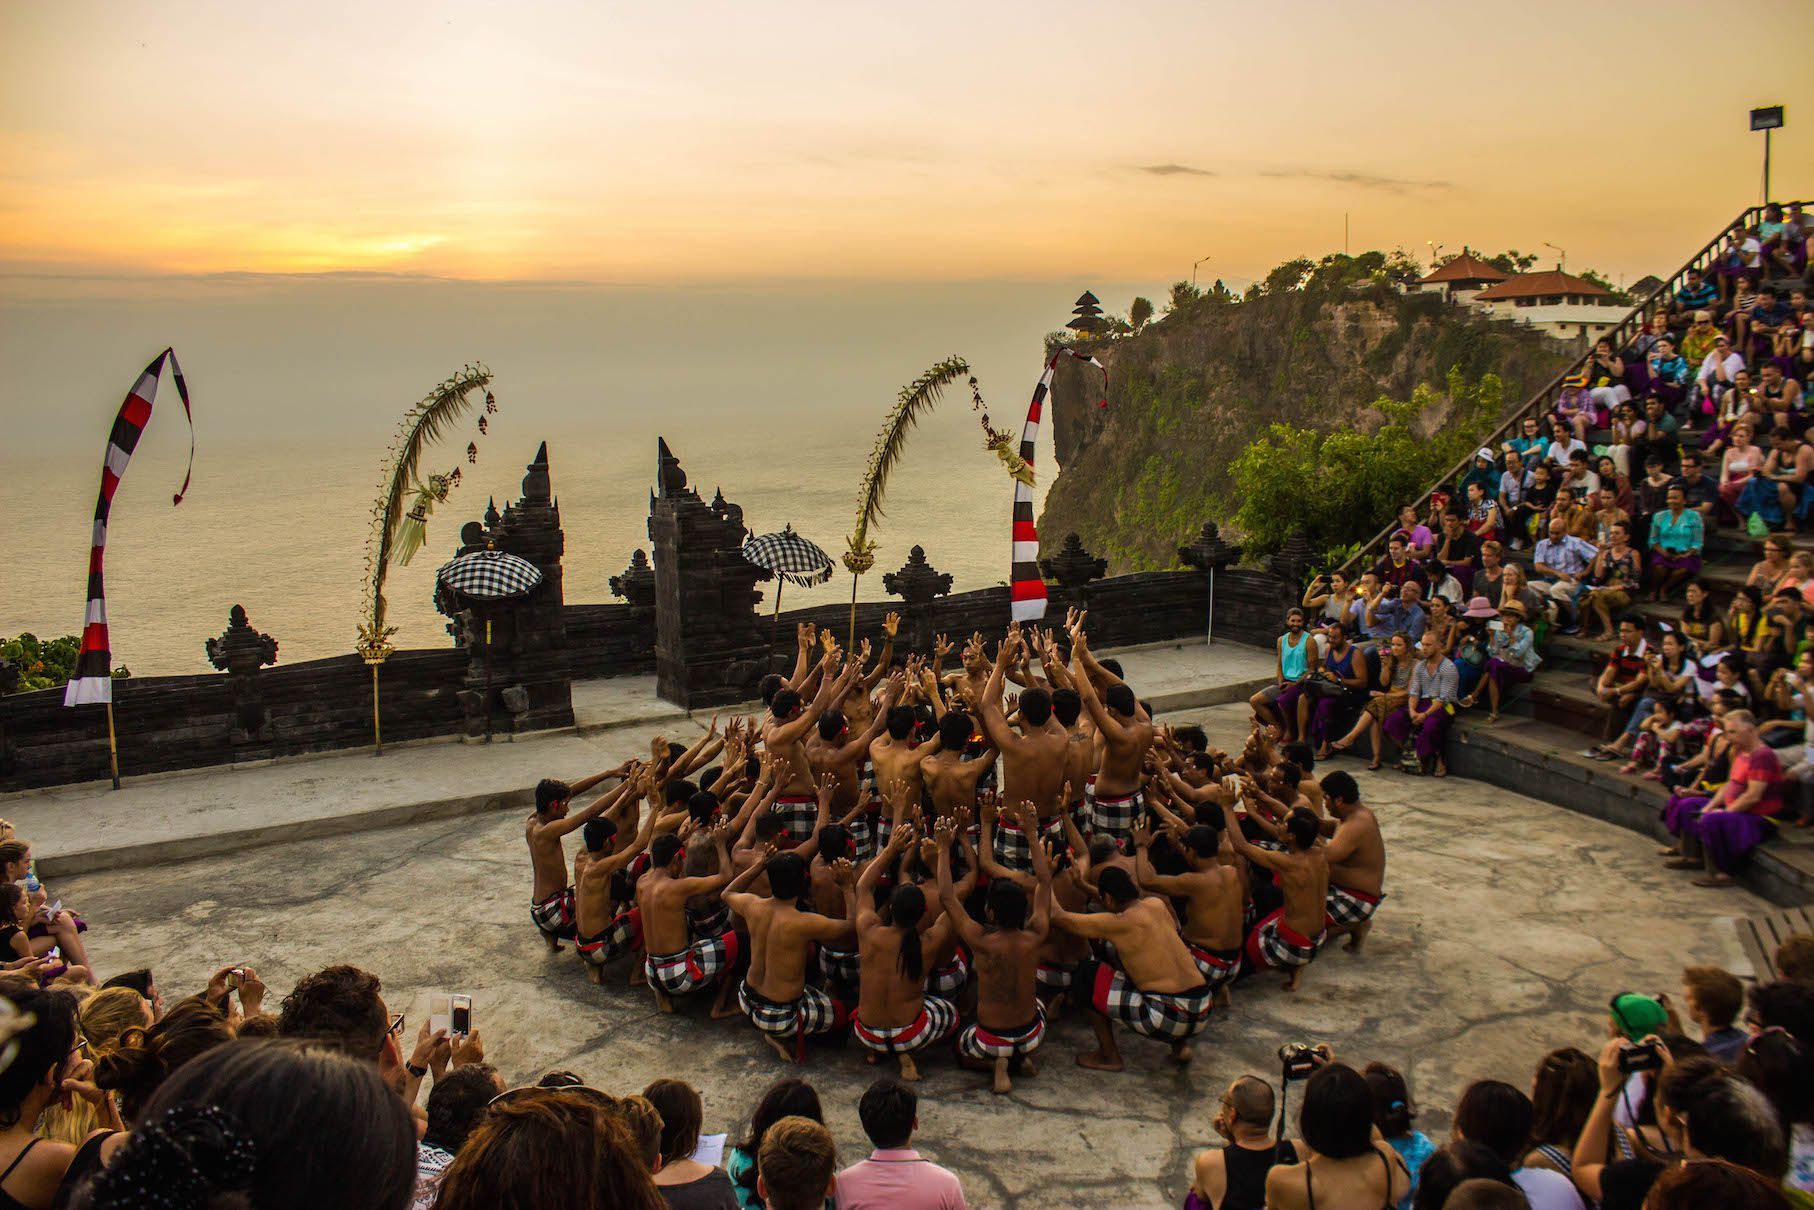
x=93, y=679
x=1026, y=587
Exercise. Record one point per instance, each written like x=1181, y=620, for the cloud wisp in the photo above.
x=1175, y=170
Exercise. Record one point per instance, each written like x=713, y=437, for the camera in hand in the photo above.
x=1640, y=1056
x=1299, y=1060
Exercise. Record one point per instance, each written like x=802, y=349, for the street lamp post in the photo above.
x=1561, y=256
x=1193, y=269
x=1767, y=119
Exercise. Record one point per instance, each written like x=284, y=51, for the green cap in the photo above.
x=1638, y=1016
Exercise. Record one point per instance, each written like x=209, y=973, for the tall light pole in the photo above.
x=1561, y=256
x=1435, y=251
x=1193, y=269
x=1767, y=119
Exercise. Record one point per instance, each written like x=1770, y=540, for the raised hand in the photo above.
x=941, y=647
x=721, y=833
x=843, y=873
x=828, y=789
x=891, y=625
x=805, y=634
x=1142, y=837
x=943, y=834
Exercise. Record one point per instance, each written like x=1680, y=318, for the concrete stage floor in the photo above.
x=1507, y=926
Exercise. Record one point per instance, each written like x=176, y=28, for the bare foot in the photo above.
x=1002, y=1084
x=1714, y=880
x=1028, y=1067
x=779, y=1047
x=723, y=1012
x=1180, y=1054
x=554, y=943
x=1291, y=980
x=909, y=1073
x=1671, y=851
x=1222, y=998
x=1095, y=1060
x=872, y=1057
x=662, y=999
x=1358, y=936
x=594, y=973
x=639, y=974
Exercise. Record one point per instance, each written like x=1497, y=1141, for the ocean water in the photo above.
x=297, y=390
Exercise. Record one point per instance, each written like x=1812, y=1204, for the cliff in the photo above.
x=1188, y=392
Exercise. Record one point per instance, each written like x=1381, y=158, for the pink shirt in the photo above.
x=898, y=1180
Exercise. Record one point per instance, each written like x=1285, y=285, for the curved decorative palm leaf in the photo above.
x=424, y=424
x=916, y=398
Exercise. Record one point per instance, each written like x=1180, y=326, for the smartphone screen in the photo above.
x=461, y=1016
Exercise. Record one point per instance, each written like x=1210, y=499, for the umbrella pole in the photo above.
x=377, y=733
x=851, y=645
x=113, y=746
x=487, y=680
x=774, y=627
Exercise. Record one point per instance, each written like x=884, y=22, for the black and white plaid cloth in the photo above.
x=789, y=556
x=489, y=574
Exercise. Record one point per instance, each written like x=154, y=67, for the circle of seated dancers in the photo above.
x=921, y=858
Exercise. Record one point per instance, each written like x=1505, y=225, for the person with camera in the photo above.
x=1233, y=1176
x=1341, y=1165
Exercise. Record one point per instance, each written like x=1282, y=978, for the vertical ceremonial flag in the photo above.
x=93, y=679
x=1026, y=587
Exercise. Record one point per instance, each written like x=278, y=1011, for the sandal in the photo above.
x=1492, y=716
x=1629, y=767
x=1714, y=880
x=1682, y=863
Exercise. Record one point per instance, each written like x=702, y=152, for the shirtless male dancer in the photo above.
x=1067, y=707
x=551, y=905
x=1214, y=901
x=1010, y=1021
x=950, y=780
x=897, y=768
x=1032, y=757
x=1116, y=799
x=675, y=963
x=1356, y=854
x=894, y=1015
x=834, y=752
x=1158, y=992
x=774, y=994
x=784, y=733
x=1289, y=938
x=608, y=929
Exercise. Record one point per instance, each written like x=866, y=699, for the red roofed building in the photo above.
x=1561, y=303
x=1460, y=278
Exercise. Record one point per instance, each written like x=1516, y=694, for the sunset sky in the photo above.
x=684, y=142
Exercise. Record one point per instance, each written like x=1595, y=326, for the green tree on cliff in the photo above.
x=1341, y=486
x=1140, y=312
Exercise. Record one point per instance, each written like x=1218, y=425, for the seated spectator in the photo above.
x=32, y=1167
x=1293, y=663
x=1351, y=1169
x=1393, y=1115
x=1483, y=511
x=1395, y=665
x=1780, y=396
x=1330, y=597
x=1704, y=1112
x=1776, y=1065
x=1581, y=478
x=1702, y=624
x=1718, y=373
x=1669, y=674
x=1677, y=535
x=1713, y=999
x=43, y=930
x=1777, y=493
x=1443, y=586
x=895, y=1175
x=1626, y=435
x=1482, y=472
x=278, y=1125
x=1562, y=1095
x=1575, y=414
x=1498, y=1115
x=1387, y=614
x=1794, y=959
x=1668, y=371
x=1233, y=1176
x=1695, y=294
x=1455, y=1165
x=1514, y=506
x=142, y=982
x=1418, y=538
x=1624, y=678
x=1576, y=514
x=1561, y=562
x=1530, y=442
x=1713, y=1183
x=143, y=1058
x=1615, y=486
x=684, y=1182
x=798, y=1161
x=1427, y=711
x=1458, y=548
x=1615, y=577
x=1739, y=818
x=1512, y=658
x=455, y=1105
x=785, y=1098
x=341, y=1008
x=1516, y=586
x=1740, y=459
x=1606, y=377
x=1563, y=442
x=17, y=950
x=1398, y=568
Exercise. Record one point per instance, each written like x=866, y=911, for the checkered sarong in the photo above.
x=1051, y=977
x=863, y=836
x=1218, y=966
x=704, y=925
x=555, y=915
x=1011, y=847
x=936, y=1022
x=842, y=969
x=814, y=1012
x=1168, y=1016
x=798, y=814
x=618, y=938
x=1349, y=907
x=1275, y=943
x=1115, y=816
x=981, y=1042
x=949, y=979
x=693, y=967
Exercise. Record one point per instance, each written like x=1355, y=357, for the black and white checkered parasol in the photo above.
x=789, y=556
x=489, y=575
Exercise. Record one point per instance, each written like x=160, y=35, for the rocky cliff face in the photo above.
x=1189, y=392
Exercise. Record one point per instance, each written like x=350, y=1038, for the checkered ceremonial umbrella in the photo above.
x=789, y=556
x=489, y=575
